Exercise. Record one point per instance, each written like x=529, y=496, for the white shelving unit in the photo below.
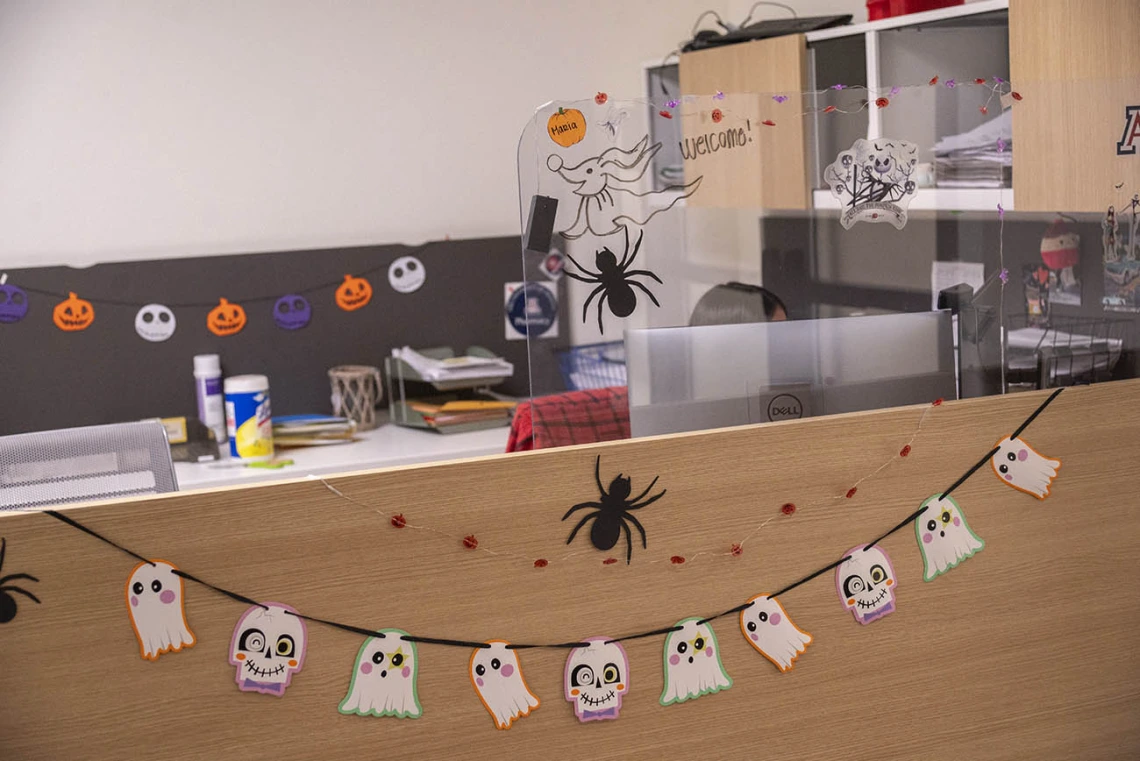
x=913, y=19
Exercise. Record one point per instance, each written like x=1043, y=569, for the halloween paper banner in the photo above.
x=270, y=640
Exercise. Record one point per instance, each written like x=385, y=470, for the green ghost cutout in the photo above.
x=944, y=536
x=692, y=663
x=384, y=678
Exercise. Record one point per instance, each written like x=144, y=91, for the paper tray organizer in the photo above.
x=406, y=385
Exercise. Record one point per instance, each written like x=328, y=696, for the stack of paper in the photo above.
x=462, y=412
x=980, y=158
x=312, y=430
x=455, y=368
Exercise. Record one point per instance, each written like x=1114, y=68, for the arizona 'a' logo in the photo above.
x=1127, y=144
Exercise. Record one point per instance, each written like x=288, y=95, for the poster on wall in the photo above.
x=1121, y=258
x=530, y=308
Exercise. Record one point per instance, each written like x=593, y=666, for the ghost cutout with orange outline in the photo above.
x=154, y=595
x=1021, y=466
x=497, y=678
x=767, y=627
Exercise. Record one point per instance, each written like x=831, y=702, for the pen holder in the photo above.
x=356, y=390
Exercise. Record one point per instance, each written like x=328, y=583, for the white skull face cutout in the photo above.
x=866, y=583
x=596, y=678
x=1019, y=465
x=155, y=322
x=406, y=274
x=268, y=648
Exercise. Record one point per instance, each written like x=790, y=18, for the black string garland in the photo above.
x=447, y=642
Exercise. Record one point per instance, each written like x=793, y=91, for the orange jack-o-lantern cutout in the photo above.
x=353, y=293
x=567, y=127
x=73, y=313
x=225, y=319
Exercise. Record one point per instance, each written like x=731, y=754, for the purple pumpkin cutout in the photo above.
x=292, y=312
x=13, y=302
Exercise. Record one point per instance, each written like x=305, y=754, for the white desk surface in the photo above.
x=383, y=447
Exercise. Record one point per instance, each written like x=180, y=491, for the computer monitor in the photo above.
x=688, y=379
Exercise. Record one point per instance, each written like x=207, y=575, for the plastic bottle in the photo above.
x=208, y=386
x=249, y=418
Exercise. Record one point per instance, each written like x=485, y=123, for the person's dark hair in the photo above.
x=734, y=303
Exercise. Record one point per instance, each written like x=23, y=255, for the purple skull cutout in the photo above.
x=13, y=303
x=292, y=312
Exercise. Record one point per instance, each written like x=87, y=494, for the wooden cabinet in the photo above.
x=1077, y=65
x=772, y=171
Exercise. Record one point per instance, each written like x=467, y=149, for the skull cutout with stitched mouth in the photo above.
x=596, y=678
x=268, y=648
x=866, y=583
x=155, y=322
x=692, y=663
x=384, y=678
x=497, y=677
x=944, y=537
x=1021, y=466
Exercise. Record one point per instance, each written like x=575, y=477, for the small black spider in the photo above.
x=615, y=281
x=612, y=513
x=7, y=602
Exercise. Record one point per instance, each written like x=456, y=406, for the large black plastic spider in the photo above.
x=615, y=281
x=7, y=601
x=612, y=513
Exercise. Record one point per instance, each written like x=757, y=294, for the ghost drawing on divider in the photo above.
x=692, y=663
x=384, y=678
x=154, y=601
x=766, y=626
x=944, y=536
x=1018, y=465
x=866, y=583
x=498, y=680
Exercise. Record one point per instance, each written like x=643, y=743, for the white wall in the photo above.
x=137, y=129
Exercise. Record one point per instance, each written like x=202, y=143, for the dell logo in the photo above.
x=785, y=407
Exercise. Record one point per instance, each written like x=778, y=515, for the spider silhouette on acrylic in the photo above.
x=612, y=512
x=616, y=282
x=7, y=601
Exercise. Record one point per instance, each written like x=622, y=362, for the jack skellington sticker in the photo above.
x=597, y=676
x=866, y=583
x=268, y=648
x=596, y=180
x=615, y=281
x=873, y=181
x=7, y=601
x=613, y=512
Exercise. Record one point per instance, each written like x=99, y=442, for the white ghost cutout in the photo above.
x=498, y=680
x=155, y=322
x=384, y=678
x=155, y=603
x=692, y=663
x=866, y=583
x=268, y=648
x=596, y=678
x=1019, y=465
x=944, y=536
x=766, y=626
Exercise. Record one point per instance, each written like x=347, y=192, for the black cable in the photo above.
x=643, y=635
x=973, y=469
x=909, y=519
x=809, y=577
x=342, y=627
x=451, y=642
x=97, y=535
x=220, y=590
x=729, y=612
x=1036, y=412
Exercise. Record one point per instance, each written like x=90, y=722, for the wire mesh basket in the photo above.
x=1070, y=351
x=593, y=366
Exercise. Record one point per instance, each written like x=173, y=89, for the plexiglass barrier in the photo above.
x=865, y=247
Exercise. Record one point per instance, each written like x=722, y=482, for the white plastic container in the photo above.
x=208, y=388
x=249, y=419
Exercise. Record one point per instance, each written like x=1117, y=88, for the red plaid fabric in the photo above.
x=576, y=417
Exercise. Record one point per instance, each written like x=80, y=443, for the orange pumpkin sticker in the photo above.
x=73, y=313
x=353, y=293
x=567, y=127
x=225, y=319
